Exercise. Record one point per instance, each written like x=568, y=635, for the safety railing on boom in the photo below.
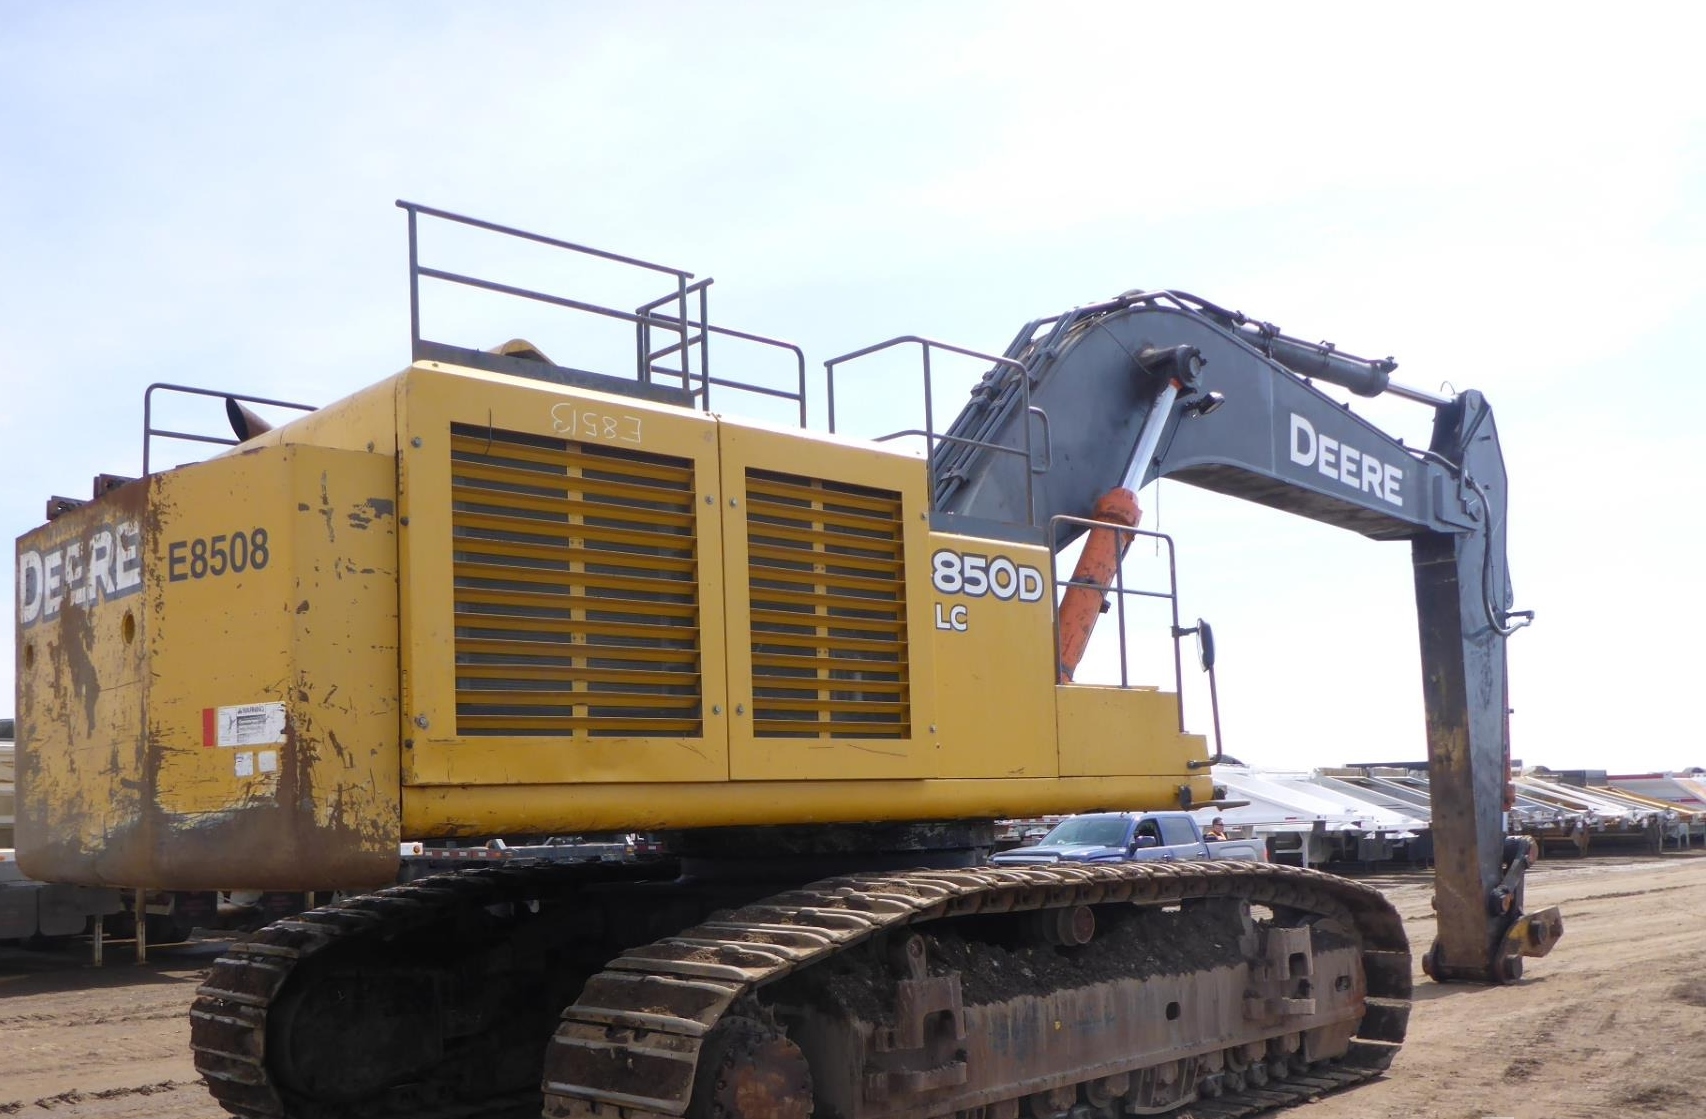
x=680, y=316
x=1073, y=526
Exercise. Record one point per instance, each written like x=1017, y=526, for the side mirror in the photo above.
x=1205, y=654
x=1145, y=841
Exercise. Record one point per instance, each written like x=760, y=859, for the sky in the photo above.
x=1509, y=199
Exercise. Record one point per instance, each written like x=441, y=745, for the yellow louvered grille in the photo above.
x=576, y=588
x=828, y=588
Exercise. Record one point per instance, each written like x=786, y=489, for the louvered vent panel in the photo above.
x=828, y=584
x=576, y=587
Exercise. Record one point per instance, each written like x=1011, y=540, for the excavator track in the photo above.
x=678, y=1025
x=231, y=1017
x=634, y=1044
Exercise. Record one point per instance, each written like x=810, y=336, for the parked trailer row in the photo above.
x=1363, y=815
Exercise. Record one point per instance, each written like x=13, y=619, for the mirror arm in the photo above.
x=1214, y=708
x=1205, y=653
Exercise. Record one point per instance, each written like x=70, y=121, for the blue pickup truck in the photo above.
x=1116, y=837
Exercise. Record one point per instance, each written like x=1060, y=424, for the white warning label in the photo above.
x=245, y=763
x=248, y=724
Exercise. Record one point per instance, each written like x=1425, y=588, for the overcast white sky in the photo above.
x=1508, y=199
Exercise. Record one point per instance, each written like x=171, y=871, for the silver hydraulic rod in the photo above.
x=1150, y=437
x=1420, y=396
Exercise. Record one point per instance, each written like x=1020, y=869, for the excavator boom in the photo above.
x=1162, y=384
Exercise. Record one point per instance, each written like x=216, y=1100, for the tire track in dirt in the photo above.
x=73, y=1096
x=99, y=1043
x=74, y=1019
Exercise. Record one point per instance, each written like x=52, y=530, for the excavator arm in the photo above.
x=1161, y=384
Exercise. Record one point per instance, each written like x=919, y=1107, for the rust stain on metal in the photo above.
x=371, y=510
x=326, y=508
x=753, y=1071
x=128, y=794
x=77, y=644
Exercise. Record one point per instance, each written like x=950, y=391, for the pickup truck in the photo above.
x=1123, y=837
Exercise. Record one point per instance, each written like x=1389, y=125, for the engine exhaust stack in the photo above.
x=245, y=425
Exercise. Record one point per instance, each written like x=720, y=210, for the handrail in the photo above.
x=645, y=358
x=150, y=432
x=931, y=436
x=524, y=293
x=705, y=378
x=640, y=318
x=511, y=231
x=1120, y=591
x=692, y=332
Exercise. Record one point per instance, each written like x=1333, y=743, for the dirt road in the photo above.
x=112, y=1043
x=1613, y=1023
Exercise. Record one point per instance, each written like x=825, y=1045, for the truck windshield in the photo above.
x=1089, y=831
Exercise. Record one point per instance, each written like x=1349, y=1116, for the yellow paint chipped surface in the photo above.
x=809, y=671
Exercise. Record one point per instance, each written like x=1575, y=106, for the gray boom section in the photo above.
x=1277, y=440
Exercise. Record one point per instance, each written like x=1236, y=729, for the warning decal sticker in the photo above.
x=248, y=724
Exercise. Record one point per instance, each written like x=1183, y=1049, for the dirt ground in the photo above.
x=1613, y=1023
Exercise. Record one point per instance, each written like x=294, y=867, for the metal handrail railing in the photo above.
x=704, y=375
x=554, y=242
x=150, y=432
x=691, y=334
x=1120, y=592
x=933, y=437
x=417, y=270
x=645, y=358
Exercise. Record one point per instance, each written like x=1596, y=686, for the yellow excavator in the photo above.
x=497, y=598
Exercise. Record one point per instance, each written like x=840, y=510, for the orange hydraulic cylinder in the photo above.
x=1085, y=601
